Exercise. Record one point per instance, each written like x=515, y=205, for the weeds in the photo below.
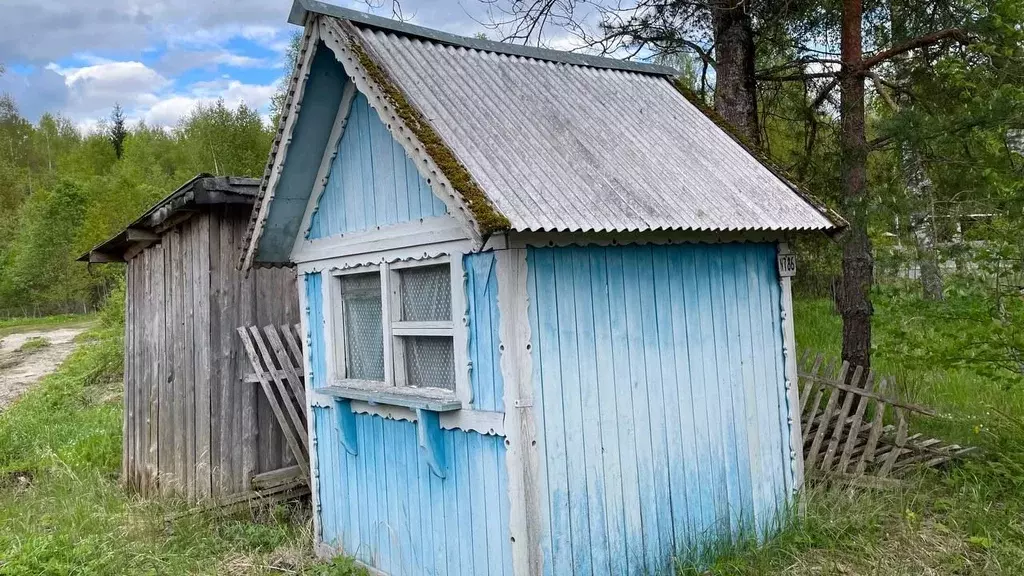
x=32, y=344
x=62, y=510
x=966, y=519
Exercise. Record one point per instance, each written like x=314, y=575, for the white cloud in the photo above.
x=147, y=95
x=167, y=111
x=33, y=31
x=93, y=90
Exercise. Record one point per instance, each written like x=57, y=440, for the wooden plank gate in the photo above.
x=844, y=425
x=275, y=355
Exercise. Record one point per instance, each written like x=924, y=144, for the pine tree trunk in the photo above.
x=735, y=85
x=858, y=264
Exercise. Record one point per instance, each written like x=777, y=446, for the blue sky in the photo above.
x=160, y=58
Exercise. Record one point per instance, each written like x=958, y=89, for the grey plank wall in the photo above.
x=192, y=428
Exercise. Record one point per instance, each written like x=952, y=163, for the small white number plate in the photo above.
x=787, y=265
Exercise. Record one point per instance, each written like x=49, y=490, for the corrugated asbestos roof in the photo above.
x=573, y=143
x=562, y=147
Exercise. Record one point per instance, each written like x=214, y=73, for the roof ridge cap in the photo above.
x=301, y=8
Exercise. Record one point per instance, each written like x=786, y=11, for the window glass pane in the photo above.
x=429, y=361
x=426, y=293
x=364, y=335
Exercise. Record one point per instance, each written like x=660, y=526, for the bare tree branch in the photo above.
x=920, y=42
x=879, y=87
x=798, y=77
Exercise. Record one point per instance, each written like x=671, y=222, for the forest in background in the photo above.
x=906, y=117
x=932, y=182
x=62, y=191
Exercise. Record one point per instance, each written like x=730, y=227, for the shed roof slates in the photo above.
x=203, y=189
x=495, y=174
x=590, y=148
x=463, y=124
x=572, y=143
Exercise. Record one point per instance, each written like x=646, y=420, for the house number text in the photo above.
x=787, y=265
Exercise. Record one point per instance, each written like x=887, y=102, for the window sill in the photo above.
x=433, y=399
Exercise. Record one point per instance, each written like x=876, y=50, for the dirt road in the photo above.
x=22, y=365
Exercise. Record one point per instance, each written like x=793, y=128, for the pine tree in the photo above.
x=118, y=130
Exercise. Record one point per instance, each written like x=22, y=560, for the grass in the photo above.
x=16, y=325
x=968, y=519
x=62, y=510
x=35, y=343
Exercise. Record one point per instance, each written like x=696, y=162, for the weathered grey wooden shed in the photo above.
x=192, y=426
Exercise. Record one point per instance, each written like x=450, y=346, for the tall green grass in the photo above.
x=964, y=520
x=63, y=511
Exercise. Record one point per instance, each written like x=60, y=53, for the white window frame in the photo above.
x=394, y=330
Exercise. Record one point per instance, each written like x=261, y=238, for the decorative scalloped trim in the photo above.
x=448, y=178
x=279, y=148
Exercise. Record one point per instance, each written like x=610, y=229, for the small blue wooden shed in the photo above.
x=546, y=300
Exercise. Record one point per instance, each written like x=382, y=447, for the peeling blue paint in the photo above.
x=387, y=509
x=315, y=327
x=660, y=398
x=372, y=182
x=484, y=340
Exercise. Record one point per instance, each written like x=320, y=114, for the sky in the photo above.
x=160, y=58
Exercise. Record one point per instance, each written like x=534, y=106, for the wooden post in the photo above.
x=521, y=457
x=787, y=269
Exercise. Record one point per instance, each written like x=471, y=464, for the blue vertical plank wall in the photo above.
x=660, y=397
x=315, y=324
x=383, y=505
x=386, y=508
x=372, y=182
x=484, y=355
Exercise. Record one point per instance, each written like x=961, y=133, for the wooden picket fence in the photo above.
x=853, y=428
x=275, y=355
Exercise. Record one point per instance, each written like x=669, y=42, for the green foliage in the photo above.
x=974, y=328
x=62, y=192
x=118, y=131
x=36, y=343
x=62, y=510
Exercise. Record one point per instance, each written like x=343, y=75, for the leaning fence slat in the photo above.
x=901, y=440
x=890, y=401
x=806, y=392
x=830, y=406
x=289, y=434
x=815, y=404
x=840, y=424
x=849, y=431
x=855, y=425
x=876, y=431
x=281, y=392
x=291, y=337
x=287, y=366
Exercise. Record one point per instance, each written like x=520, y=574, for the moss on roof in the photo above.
x=484, y=213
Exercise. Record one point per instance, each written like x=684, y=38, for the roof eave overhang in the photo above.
x=838, y=223
x=186, y=200
x=278, y=149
